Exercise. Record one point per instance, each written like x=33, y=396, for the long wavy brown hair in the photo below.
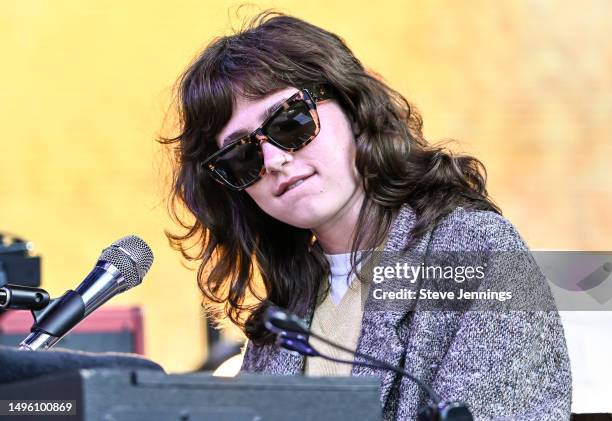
x=227, y=234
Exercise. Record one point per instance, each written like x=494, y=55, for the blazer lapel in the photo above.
x=380, y=326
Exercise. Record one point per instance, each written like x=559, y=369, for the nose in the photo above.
x=274, y=158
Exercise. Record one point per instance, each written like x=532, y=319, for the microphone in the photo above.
x=121, y=266
x=292, y=334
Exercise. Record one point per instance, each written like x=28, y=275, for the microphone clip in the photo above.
x=60, y=315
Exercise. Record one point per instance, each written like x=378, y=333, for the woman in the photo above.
x=297, y=163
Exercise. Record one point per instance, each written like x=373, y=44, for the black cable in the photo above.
x=385, y=365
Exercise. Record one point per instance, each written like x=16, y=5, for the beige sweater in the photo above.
x=339, y=323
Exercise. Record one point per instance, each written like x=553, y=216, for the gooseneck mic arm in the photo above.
x=292, y=334
x=299, y=343
x=281, y=322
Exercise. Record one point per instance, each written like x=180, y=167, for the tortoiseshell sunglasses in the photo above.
x=293, y=125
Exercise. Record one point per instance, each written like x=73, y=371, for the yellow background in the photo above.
x=85, y=86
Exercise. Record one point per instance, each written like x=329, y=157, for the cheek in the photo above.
x=338, y=150
x=256, y=191
x=261, y=193
x=337, y=133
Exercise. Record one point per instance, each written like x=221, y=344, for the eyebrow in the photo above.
x=236, y=134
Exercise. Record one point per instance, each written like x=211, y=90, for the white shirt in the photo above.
x=340, y=266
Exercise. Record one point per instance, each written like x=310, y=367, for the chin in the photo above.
x=305, y=218
x=305, y=223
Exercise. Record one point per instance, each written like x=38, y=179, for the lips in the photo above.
x=284, y=186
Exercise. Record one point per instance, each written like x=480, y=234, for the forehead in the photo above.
x=248, y=114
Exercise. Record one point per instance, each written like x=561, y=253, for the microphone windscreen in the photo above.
x=278, y=320
x=131, y=256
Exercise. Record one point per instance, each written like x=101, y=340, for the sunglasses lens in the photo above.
x=293, y=126
x=241, y=164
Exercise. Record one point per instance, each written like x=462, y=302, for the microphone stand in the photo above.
x=20, y=297
x=37, y=300
x=50, y=324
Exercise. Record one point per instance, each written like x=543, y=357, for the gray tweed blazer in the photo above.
x=503, y=364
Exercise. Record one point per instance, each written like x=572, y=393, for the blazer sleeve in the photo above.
x=509, y=362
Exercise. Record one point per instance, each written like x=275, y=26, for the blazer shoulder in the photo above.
x=478, y=230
